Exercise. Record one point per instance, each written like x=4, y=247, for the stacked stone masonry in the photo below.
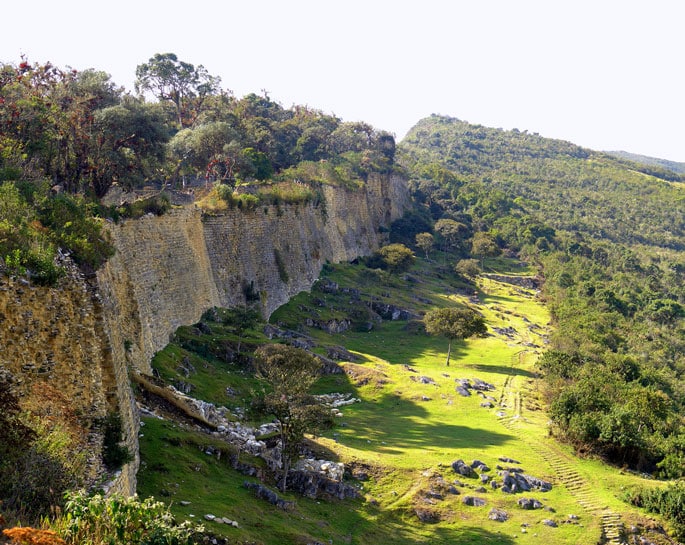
x=85, y=336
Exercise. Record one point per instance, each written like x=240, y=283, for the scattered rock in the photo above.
x=390, y=312
x=462, y=468
x=315, y=485
x=464, y=392
x=550, y=523
x=340, y=353
x=427, y=515
x=262, y=492
x=513, y=482
x=482, y=386
x=529, y=503
x=498, y=515
x=473, y=501
x=480, y=466
x=326, y=285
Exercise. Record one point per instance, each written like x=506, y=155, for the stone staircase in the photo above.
x=562, y=465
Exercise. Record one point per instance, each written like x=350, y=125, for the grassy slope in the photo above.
x=406, y=433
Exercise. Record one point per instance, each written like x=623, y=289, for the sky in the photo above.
x=604, y=74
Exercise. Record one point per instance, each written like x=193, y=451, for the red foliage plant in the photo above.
x=32, y=536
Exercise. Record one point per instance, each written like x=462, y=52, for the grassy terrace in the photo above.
x=409, y=427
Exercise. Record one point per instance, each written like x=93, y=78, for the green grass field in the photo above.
x=407, y=429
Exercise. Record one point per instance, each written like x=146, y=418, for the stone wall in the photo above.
x=84, y=336
x=169, y=269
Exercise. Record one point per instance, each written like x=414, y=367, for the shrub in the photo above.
x=114, y=520
x=114, y=454
x=668, y=502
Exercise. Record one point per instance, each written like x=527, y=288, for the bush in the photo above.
x=668, y=502
x=115, y=520
x=114, y=454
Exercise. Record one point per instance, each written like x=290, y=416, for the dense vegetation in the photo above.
x=81, y=131
x=68, y=136
x=608, y=236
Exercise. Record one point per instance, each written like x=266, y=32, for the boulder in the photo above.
x=464, y=392
x=427, y=515
x=390, y=312
x=462, y=468
x=529, y=503
x=473, y=501
x=264, y=493
x=480, y=466
x=340, y=353
x=498, y=515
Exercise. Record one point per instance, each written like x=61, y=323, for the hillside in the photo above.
x=609, y=240
x=143, y=244
x=678, y=168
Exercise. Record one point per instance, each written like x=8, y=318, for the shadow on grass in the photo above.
x=387, y=529
x=500, y=369
x=469, y=536
x=394, y=424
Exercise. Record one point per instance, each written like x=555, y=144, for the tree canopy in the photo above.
x=454, y=324
x=288, y=374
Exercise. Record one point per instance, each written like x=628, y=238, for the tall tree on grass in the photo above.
x=183, y=84
x=288, y=373
x=426, y=242
x=484, y=245
x=454, y=323
x=396, y=258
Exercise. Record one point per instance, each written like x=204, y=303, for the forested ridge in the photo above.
x=68, y=136
x=607, y=234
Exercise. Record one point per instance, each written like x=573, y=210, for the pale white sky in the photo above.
x=605, y=74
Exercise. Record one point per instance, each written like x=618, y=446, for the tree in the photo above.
x=467, y=267
x=426, y=242
x=454, y=323
x=184, y=85
x=451, y=232
x=127, y=140
x=484, y=245
x=396, y=258
x=288, y=373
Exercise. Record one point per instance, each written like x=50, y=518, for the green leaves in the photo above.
x=454, y=323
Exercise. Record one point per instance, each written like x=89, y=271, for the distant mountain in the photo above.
x=679, y=168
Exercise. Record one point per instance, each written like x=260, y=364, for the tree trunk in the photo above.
x=285, y=463
x=449, y=351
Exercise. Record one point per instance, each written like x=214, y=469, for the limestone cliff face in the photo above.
x=86, y=335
